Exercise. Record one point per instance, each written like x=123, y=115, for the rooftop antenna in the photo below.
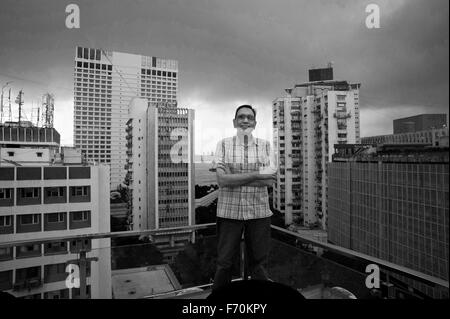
x=19, y=100
x=9, y=104
x=38, y=109
x=48, y=108
x=1, y=101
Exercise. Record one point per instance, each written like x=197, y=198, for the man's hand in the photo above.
x=224, y=168
x=268, y=177
x=264, y=180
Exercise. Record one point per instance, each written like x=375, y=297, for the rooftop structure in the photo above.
x=142, y=282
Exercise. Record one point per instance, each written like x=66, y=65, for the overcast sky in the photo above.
x=234, y=52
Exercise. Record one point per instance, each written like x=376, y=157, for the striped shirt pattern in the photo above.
x=243, y=154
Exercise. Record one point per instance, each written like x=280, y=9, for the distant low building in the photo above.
x=422, y=122
x=434, y=137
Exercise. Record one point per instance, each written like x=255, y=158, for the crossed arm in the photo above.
x=226, y=179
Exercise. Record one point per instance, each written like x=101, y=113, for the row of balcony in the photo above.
x=342, y=115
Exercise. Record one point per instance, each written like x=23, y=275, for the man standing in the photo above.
x=245, y=168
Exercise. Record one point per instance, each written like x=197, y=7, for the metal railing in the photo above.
x=353, y=255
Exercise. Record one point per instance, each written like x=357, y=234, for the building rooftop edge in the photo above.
x=128, y=53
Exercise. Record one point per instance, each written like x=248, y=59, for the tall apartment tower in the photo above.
x=47, y=194
x=104, y=84
x=161, y=171
x=307, y=122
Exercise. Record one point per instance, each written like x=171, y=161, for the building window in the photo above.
x=27, y=249
x=5, y=221
x=55, y=191
x=10, y=154
x=80, y=216
x=55, y=248
x=30, y=192
x=80, y=191
x=29, y=219
x=24, y=274
x=5, y=254
x=55, y=217
x=39, y=154
x=5, y=193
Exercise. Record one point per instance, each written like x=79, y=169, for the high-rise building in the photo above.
x=421, y=122
x=392, y=202
x=307, y=121
x=47, y=194
x=435, y=137
x=161, y=171
x=104, y=84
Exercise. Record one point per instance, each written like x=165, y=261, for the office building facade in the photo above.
x=161, y=171
x=53, y=197
x=307, y=121
x=421, y=122
x=392, y=202
x=435, y=137
x=104, y=84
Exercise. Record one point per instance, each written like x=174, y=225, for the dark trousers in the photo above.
x=257, y=244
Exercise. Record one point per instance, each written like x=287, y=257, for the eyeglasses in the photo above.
x=243, y=116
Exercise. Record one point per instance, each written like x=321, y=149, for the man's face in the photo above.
x=244, y=119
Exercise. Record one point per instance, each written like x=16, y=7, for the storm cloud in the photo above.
x=233, y=52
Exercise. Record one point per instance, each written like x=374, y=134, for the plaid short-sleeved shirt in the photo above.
x=242, y=154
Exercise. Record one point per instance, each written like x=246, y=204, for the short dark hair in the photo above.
x=247, y=106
